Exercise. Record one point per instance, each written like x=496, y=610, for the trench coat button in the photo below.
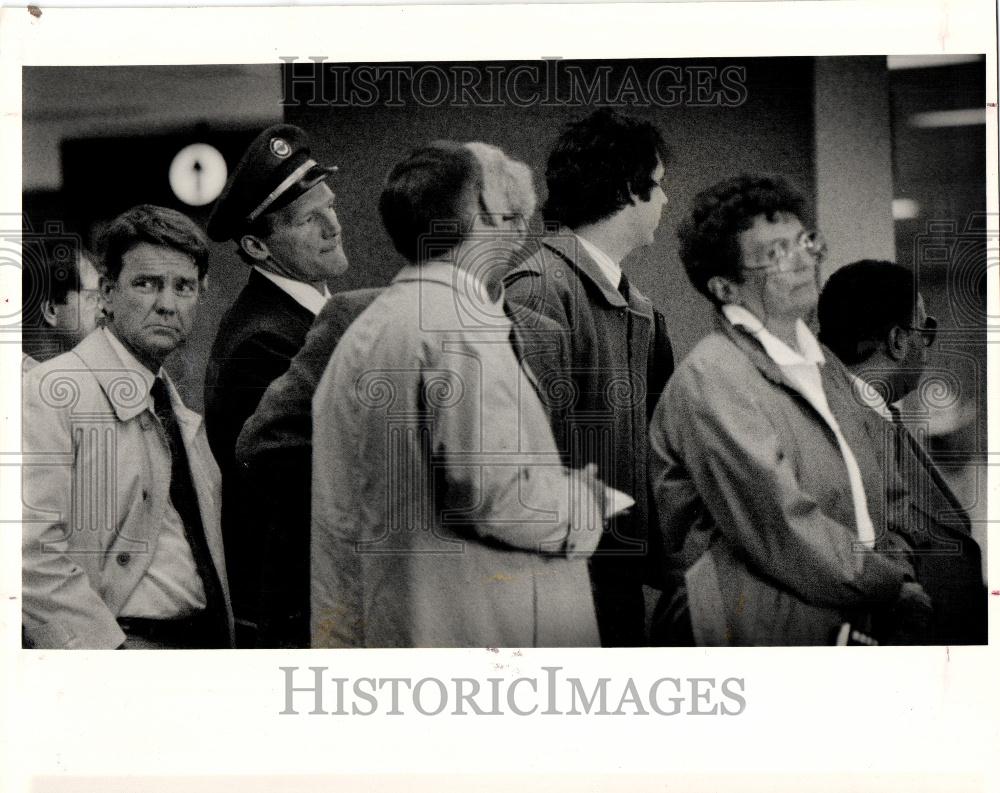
x=123, y=559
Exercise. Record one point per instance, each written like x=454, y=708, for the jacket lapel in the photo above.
x=753, y=350
x=936, y=502
x=127, y=390
x=568, y=248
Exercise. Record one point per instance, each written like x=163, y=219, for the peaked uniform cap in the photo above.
x=275, y=170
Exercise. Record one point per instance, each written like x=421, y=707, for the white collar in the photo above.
x=301, y=292
x=868, y=395
x=609, y=267
x=129, y=361
x=776, y=349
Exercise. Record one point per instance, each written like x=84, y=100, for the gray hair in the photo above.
x=508, y=184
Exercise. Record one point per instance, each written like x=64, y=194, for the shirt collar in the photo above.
x=776, y=349
x=301, y=292
x=609, y=267
x=869, y=396
x=129, y=361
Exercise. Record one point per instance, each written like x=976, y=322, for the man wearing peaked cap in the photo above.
x=279, y=211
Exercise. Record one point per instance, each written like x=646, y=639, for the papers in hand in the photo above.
x=616, y=502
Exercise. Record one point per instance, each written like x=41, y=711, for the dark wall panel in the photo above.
x=769, y=131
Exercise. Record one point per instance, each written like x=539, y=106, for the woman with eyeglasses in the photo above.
x=767, y=491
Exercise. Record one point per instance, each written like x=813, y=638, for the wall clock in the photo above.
x=197, y=174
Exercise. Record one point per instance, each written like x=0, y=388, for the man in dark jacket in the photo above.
x=275, y=453
x=605, y=194
x=873, y=318
x=279, y=210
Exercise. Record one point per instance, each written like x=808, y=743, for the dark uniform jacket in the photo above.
x=275, y=453
x=600, y=396
x=256, y=341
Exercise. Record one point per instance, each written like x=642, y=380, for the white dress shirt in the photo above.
x=869, y=396
x=301, y=292
x=609, y=267
x=171, y=586
x=803, y=370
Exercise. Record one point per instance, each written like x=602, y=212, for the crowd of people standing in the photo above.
x=497, y=448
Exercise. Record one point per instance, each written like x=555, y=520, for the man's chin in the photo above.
x=163, y=341
x=337, y=265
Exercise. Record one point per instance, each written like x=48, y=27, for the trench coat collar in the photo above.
x=754, y=350
x=126, y=385
x=566, y=245
x=474, y=307
x=834, y=376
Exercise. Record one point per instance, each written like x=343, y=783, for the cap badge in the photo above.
x=280, y=148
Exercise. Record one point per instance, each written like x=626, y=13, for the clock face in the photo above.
x=198, y=174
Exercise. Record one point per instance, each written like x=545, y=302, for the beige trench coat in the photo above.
x=96, y=483
x=440, y=506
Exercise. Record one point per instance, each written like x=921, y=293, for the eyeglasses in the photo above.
x=928, y=331
x=90, y=297
x=778, y=254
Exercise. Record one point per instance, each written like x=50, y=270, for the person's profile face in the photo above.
x=650, y=212
x=81, y=312
x=306, y=238
x=917, y=352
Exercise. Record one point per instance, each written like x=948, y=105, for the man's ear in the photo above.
x=49, y=312
x=255, y=247
x=106, y=289
x=722, y=290
x=897, y=343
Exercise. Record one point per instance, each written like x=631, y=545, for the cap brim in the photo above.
x=315, y=175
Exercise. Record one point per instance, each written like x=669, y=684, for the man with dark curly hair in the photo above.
x=605, y=199
x=765, y=481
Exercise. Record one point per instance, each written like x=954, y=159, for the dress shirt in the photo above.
x=608, y=266
x=171, y=586
x=301, y=292
x=869, y=396
x=802, y=368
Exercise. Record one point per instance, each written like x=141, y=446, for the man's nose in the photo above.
x=331, y=224
x=166, y=301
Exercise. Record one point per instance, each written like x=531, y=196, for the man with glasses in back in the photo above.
x=872, y=316
x=65, y=301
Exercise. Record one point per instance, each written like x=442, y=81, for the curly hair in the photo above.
x=157, y=226
x=709, y=236
x=598, y=164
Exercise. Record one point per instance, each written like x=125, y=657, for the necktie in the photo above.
x=185, y=500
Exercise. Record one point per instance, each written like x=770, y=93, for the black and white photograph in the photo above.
x=592, y=274
x=645, y=351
